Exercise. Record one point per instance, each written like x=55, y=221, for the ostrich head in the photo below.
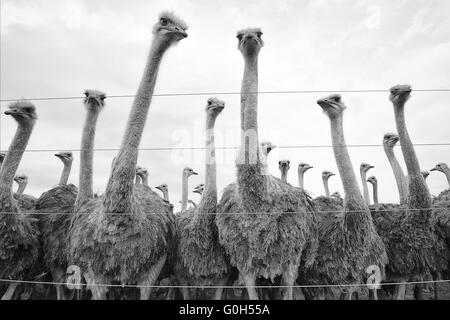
x=390, y=140
x=250, y=41
x=187, y=172
x=327, y=174
x=372, y=180
x=141, y=172
x=215, y=105
x=163, y=187
x=94, y=99
x=199, y=189
x=284, y=165
x=425, y=174
x=170, y=28
x=21, y=179
x=365, y=167
x=66, y=157
x=332, y=105
x=336, y=195
x=303, y=167
x=24, y=112
x=267, y=146
x=442, y=167
x=400, y=94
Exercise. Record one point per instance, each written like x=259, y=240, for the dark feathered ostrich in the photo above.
x=348, y=242
x=26, y=202
x=19, y=235
x=54, y=227
x=273, y=232
x=412, y=246
x=124, y=235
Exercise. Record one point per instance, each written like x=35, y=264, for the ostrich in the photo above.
x=165, y=191
x=19, y=235
x=201, y=260
x=374, y=182
x=302, y=168
x=325, y=177
x=187, y=172
x=413, y=244
x=348, y=242
x=124, y=235
x=425, y=174
x=443, y=167
x=26, y=202
x=363, y=169
x=143, y=174
x=284, y=166
x=389, y=142
x=266, y=147
x=59, y=200
x=138, y=179
x=199, y=189
x=275, y=233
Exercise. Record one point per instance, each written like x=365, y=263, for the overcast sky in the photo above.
x=59, y=48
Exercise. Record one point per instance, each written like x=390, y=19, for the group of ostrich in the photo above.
x=263, y=232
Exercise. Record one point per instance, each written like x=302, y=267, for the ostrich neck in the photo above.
x=365, y=187
x=375, y=193
x=325, y=185
x=138, y=180
x=65, y=173
x=208, y=200
x=249, y=95
x=300, y=179
x=418, y=195
x=145, y=180
x=343, y=161
x=13, y=157
x=166, y=195
x=284, y=175
x=447, y=174
x=85, y=192
x=21, y=188
x=118, y=192
x=400, y=178
x=184, y=192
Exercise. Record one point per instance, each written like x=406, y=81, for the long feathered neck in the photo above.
x=344, y=164
x=418, y=194
x=65, y=173
x=400, y=178
x=13, y=158
x=208, y=201
x=284, y=175
x=301, y=179
x=325, y=186
x=85, y=191
x=364, y=185
x=447, y=174
x=184, y=191
x=166, y=195
x=119, y=190
x=21, y=188
x=145, y=180
x=375, y=192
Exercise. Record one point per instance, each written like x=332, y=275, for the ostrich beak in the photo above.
x=371, y=167
x=11, y=112
x=194, y=173
x=434, y=169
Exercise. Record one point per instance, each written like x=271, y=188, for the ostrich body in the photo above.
x=284, y=166
x=348, y=242
x=302, y=168
x=59, y=200
x=363, y=169
x=19, y=235
x=275, y=232
x=374, y=182
x=26, y=202
x=389, y=142
x=201, y=259
x=124, y=235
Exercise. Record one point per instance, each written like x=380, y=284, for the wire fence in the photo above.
x=176, y=94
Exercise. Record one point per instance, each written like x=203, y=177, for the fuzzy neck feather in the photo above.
x=364, y=185
x=208, y=201
x=166, y=195
x=375, y=192
x=284, y=175
x=400, y=178
x=184, y=191
x=300, y=179
x=66, y=172
x=447, y=174
x=85, y=192
x=119, y=190
x=21, y=188
x=325, y=185
x=418, y=194
x=12, y=161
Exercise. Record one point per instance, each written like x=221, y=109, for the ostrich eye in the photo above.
x=86, y=94
x=259, y=34
x=102, y=98
x=164, y=22
x=239, y=36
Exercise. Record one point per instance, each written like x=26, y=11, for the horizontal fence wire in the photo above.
x=175, y=94
x=232, y=213
x=426, y=144
x=224, y=286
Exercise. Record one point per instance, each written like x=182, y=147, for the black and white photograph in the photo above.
x=194, y=150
